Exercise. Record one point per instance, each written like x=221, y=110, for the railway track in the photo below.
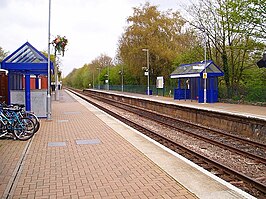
x=234, y=143
x=244, y=147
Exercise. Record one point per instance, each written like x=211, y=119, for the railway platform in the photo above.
x=84, y=153
x=237, y=109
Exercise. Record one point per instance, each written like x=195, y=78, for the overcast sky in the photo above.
x=92, y=27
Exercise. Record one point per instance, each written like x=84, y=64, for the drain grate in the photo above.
x=56, y=143
x=90, y=142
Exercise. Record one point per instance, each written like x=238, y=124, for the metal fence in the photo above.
x=242, y=95
x=141, y=89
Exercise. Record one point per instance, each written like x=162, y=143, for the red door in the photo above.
x=3, y=87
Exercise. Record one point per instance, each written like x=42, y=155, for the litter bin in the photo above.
x=53, y=87
x=150, y=93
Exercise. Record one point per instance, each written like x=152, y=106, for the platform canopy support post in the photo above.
x=36, y=81
x=9, y=87
x=27, y=92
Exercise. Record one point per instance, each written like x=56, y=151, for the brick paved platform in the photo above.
x=199, y=181
x=77, y=155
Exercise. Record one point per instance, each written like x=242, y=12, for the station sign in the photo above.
x=198, y=67
x=159, y=82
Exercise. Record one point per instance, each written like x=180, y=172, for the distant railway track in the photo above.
x=251, y=183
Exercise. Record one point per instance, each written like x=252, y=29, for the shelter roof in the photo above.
x=26, y=59
x=196, y=70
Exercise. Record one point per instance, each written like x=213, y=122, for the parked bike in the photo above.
x=17, y=123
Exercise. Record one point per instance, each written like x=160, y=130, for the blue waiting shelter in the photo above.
x=23, y=63
x=191, y=81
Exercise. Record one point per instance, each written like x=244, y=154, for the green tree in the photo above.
x=230, y=44
x=89, y=74
x=160, y=32
x=69, y=79
x=251, y=17
x=102, y=65
x=78, y=78
x=192, y=51
x=3, y=54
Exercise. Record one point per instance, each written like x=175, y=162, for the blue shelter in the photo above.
x=191, y=81
x=22, y=64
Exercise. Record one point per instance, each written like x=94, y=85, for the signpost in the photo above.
x=160, y=84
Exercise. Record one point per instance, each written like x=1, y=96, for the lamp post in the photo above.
x=205, y=63
x=56, y=78
x=122, y=76
x=108, y=85
x=98, y=78
x=106, y=81
x=121, y=72
x=148, y=68
x=48, y=108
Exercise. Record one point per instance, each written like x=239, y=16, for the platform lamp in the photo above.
x=148, y=68
x=48, y=108
x=108, y=85
x=122, y=79
x=205, y=63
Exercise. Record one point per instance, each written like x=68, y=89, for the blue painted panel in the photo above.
x=181, y=94
x=196, y=91
x=26, y=66
x=201, y=96
x=212, y=96
x=212, y=90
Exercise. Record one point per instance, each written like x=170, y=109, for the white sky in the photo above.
x=92, y=27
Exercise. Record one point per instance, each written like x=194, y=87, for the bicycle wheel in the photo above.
x=35, y=120
x=24, y=129
x=3, y=128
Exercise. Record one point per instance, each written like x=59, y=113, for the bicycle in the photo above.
x=13, y=123
x=28, y=114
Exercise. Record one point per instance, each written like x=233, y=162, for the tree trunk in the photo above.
x=226, y=73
